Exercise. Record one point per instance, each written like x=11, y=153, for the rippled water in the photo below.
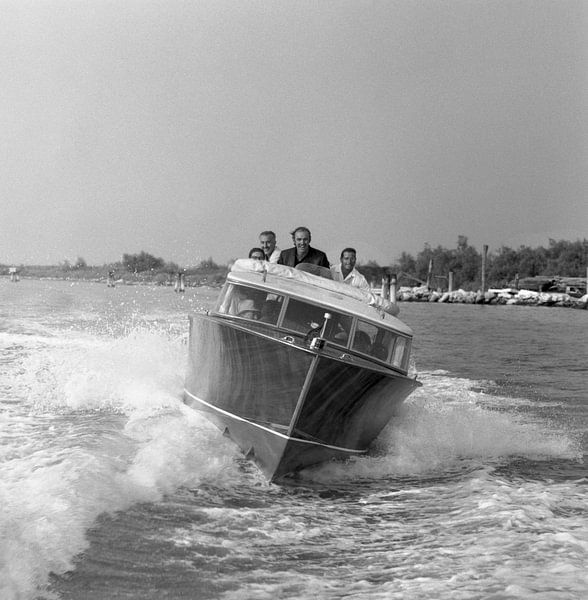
x=111, y=488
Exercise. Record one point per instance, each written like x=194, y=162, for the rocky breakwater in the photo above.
x=506, y=296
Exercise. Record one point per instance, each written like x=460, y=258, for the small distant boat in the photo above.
x=296, y=368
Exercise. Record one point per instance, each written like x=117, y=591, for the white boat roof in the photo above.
x=313, y=288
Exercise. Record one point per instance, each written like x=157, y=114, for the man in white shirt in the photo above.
x=267, y=242
x=346, y=272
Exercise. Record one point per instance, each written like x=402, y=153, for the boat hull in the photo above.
x=287, y=406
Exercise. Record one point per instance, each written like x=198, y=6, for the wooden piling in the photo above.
x=386, y=286
x=180, y=285
x=393, y=282
x=484, y=253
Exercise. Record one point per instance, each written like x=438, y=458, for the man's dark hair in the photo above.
x=293, y=233
x=348, y=250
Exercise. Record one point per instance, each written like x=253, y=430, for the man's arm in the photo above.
x=363, y=284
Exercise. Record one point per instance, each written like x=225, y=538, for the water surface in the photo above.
x=111, y=488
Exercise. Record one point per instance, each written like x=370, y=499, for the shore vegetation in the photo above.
x=504, y=267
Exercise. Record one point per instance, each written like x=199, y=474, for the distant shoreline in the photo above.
x=126, y=281
x=192, y=277
x=493, y=297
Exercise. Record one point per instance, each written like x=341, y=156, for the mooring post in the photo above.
x=393, y=288
x=386, y=286
x=450, y=282
x=485, y=251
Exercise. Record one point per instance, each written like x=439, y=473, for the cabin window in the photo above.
x=303, y=317
x=250, y=303
x=380, y=343
x=399, y=353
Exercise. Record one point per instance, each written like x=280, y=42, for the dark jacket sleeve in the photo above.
x=287, y=257
x=318, y=257
x=324, y=261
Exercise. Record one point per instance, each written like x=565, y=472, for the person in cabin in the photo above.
x=302, y=252
x=257, y=254
x=248, y=309
x=244, y=302
x=346, y=272
x=267, y=242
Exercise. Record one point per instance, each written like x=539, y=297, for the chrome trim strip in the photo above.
x=286, y=437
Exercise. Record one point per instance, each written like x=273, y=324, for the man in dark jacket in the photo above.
x=302, y=251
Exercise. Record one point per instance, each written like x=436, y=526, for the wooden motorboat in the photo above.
x=295, y=368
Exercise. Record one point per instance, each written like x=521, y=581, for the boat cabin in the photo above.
x=298, y=311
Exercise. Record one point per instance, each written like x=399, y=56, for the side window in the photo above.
x=339, y=328
x=400, y=352
x=250, y=303
x=224, y=301
x=372, y=340
x=382, y=344
x=271, y=308
x=365, y=334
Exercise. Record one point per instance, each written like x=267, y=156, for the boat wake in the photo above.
x=91, y=425
x=96, y=424
x=451, y=426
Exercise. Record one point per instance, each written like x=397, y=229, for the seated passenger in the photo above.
x=247, y=309
x=257, y=254
x=302, y=251
x=267, y=242
x=243, y=301
x=346, y=272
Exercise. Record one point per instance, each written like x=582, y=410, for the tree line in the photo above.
x=503, y=266
x=430, y=266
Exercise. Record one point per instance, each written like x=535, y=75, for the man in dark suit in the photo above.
x=302, y=251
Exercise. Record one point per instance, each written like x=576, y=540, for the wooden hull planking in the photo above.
x=287, y=407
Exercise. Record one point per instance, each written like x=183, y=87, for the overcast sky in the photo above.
x=184, y=128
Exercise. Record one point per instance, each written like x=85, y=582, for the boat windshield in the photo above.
x=303, y=317
x=250, y=303
x=381, y=343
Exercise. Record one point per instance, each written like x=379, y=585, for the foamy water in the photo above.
x=111, y=488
